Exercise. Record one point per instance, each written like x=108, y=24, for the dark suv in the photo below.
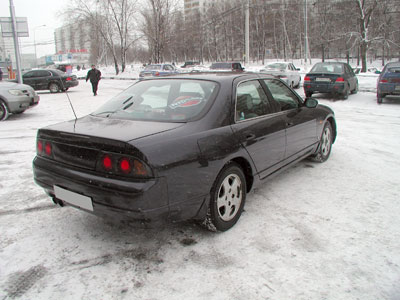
x=227, y=66
x=49, y=79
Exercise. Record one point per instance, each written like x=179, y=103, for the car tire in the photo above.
x=325, y=144
x=4, y=113
x=379, y=98
x=227, y=199
x=298, y=85
x=54, y=87
x=355, y=91
x=345, y=94
x=308, y=94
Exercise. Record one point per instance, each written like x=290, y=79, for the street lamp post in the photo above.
x=34, y=42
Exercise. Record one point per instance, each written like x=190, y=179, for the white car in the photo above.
x=285, y=71
x=16, y=98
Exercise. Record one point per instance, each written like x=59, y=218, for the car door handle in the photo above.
x=250, y=136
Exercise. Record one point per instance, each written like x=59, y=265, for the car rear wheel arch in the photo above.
x=54, y=87
x=247, y=170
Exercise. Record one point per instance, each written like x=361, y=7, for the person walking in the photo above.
x=94, y=75
x=1, y=75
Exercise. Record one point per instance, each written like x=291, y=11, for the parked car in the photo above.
x=331, y=77
x=388, y=81
x=182, y=147
x=15, y=98
x=49, y=79
x=189, y=64
x=285, y=71
x=227, y=66
x=158, y=70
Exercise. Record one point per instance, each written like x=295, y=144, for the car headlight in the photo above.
x=16, y=92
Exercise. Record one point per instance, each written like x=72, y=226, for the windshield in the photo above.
x=152, y=67
x=327, y=68
x=167, y=100
x=278, y=66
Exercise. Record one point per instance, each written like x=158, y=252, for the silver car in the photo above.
x=15, y=98
x=285, y=71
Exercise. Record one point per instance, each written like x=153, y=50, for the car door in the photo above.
x=28, y=78
x=295, y=74
x=300, y=121
x=352, y=77
x=259, y=127
x=43, y=79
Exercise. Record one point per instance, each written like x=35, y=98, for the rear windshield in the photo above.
x=167, y=100
x=152, y=67
x=278, y=66
x=394, y=69
x=221, y=66
x=327, y=68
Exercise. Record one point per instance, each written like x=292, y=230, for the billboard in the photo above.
x=22, y=26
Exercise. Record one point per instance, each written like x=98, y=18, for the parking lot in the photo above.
x=316, y=231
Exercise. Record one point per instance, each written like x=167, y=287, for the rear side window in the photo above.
x=251, y=101
x=282, y=94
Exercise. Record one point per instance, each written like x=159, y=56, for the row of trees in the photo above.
x=161, y=30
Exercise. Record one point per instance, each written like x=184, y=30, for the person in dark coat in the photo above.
x=94, y=75
x=1, y=75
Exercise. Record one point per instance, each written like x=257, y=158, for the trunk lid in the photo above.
x=80, y=143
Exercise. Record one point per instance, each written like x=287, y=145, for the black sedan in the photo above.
x=182, y=147
x=49, y=79
x=331, y=77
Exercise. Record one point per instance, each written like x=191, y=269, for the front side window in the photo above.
x=282, y=94
x=251, y=101
x=167, y=100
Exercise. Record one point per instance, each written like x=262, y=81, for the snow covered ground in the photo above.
x=316, y=231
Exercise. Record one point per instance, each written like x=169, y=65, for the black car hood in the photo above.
x=121, y=130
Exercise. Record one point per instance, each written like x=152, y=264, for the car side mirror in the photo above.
x=311, y=102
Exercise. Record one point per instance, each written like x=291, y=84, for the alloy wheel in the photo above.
x=230, y=196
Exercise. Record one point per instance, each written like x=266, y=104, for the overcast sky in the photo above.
x=38, y=12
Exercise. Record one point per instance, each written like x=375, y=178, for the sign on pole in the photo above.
x=22, y=27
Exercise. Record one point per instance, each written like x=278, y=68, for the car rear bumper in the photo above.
x=389, y=88
x=142, y=201
x=69, y=84
x=324, y=87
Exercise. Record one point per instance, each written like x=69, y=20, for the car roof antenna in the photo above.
x=70, y=102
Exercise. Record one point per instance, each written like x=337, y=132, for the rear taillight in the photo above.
x=125, y=165
x=107, y=163
x=39, y=147
x=44, y=148
x=384, y=81
x=340, y=79
x=48, y=149
x=117, y=164
x=68, y=79
x=307, y=78
x=157, y=74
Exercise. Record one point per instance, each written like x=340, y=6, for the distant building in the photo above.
x=72, y=44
